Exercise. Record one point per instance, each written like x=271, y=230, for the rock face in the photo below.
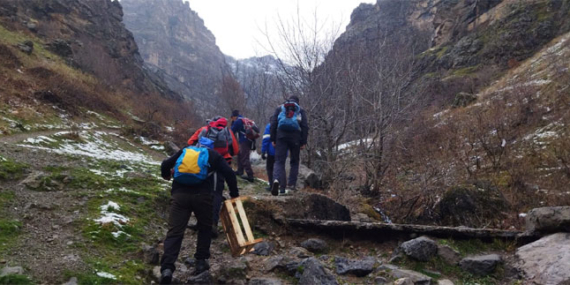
x=323, y=208
x=174, y=41
x=548, y=219
x=422, y=248
x=90, y=35
x=480, y=265
x=546, y=261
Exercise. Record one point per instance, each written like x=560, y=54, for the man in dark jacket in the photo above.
x=197, y=199
x=245, y=146
x=286, y=140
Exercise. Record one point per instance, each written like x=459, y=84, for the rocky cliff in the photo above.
x=90, y=35
x=175, y=42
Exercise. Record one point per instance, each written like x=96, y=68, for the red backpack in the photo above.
x=251, y=129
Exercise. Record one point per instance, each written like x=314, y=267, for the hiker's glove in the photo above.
x=263, y=155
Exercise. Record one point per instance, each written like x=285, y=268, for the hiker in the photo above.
x=194, y=170
x=268, y=153
x=289, y=131
x=248, y=132
x=226, y=145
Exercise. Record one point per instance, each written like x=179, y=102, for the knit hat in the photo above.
x=294, y=99
x=235, y=113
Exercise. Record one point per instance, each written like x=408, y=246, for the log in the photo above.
x=383, y=231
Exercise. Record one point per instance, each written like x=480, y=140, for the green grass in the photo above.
x=470, y=247
x=11, y=170
x=15, y=280
x=9, y=231
x=466, y=71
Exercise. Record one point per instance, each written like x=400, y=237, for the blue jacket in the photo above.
x=266, y=145
x=238, y=129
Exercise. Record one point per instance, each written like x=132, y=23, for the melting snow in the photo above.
x=106, y=275
x=117, y=234
x=39, y=140
x=522, y=215
x=110, y=217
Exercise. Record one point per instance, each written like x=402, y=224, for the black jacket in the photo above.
x=294, y=135
x=217, y=164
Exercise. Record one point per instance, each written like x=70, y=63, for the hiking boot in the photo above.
x=166, y=276
x=275, y=188
x=250, y=179
x=201, y=266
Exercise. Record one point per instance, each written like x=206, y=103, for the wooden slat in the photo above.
x=230, y=233
x=235, y=223
x=244, y=221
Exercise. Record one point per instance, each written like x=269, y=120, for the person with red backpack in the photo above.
x=226, y=145
x=248, y=132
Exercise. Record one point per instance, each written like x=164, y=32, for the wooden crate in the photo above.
x=240, y=237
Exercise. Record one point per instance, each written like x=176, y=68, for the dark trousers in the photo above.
x=182, y=205
x=243, y=158
x=281, y=147
x=218, y=199
x=269, y=167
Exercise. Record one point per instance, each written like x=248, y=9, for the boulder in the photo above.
x=313, y=272
x=202, y=278
x=263, y=248
x=320, y=207
x=264, y=281
x=421, y=249
x=448, y=254
x=358, y=268
x=26, y=47
x=548, y=219
x=403, y=281
x=414, y=277
x=480, y=265
x=474, y=205
x=379, y=280
x=444, y=282
x=61, y=48
x=171, y=148
x=150, y=255
x=299, y=252
x=306, y=178
x=546, y=261
x=72, y=281
x=35, y=180
x=273, y=263
x=315, y=245
x=17, y=270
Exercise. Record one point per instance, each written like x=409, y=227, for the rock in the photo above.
x=547, y=260
x=263, y=248
x=472, y=205
x=35, y=180
x=403, y=281
x=422, y=248
x=299, y=252
x=358, y=268
x=448, y=254
x=315, y=245
x=156, y=272
x=273, y=263
x=379, y=280
x=414, y=277
x=61, y=48
x=202, y=278
x=321, y=207
x=264, y=281
x=32, y=26
x=150, y=255
x=26, y=47
x=313, y=272
x=480, y=265
x=171, y=148
x=548, y=219
x=236, y=269
x=72, y=281
x=444, y=282
x=17, y=270
x=308, y=178
x=361, y=217
x=463, y=99
x=191, y=262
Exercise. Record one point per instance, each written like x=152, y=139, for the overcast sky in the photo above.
x=236, y=23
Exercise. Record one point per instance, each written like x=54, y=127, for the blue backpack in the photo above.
x=191, y=167
x=289, y=118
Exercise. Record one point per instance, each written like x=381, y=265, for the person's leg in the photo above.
x=246, y=159
x=239, y=160
x=202, y=207
x=279, y=172
x=294, y=152
x=217, y=202
x=177, y=220
x=270, y=163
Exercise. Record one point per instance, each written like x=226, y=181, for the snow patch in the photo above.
x=106, y=275
x=39, y=140
x=117, y=234
x=107, y=216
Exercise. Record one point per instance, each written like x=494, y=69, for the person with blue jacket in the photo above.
x=268, y=153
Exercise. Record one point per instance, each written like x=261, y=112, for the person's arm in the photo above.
x=195, y=137
x=222, y=168
x=237, y=126
x=274, y=122
x=304, y=128
x=168, y=164
x=266, y=139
